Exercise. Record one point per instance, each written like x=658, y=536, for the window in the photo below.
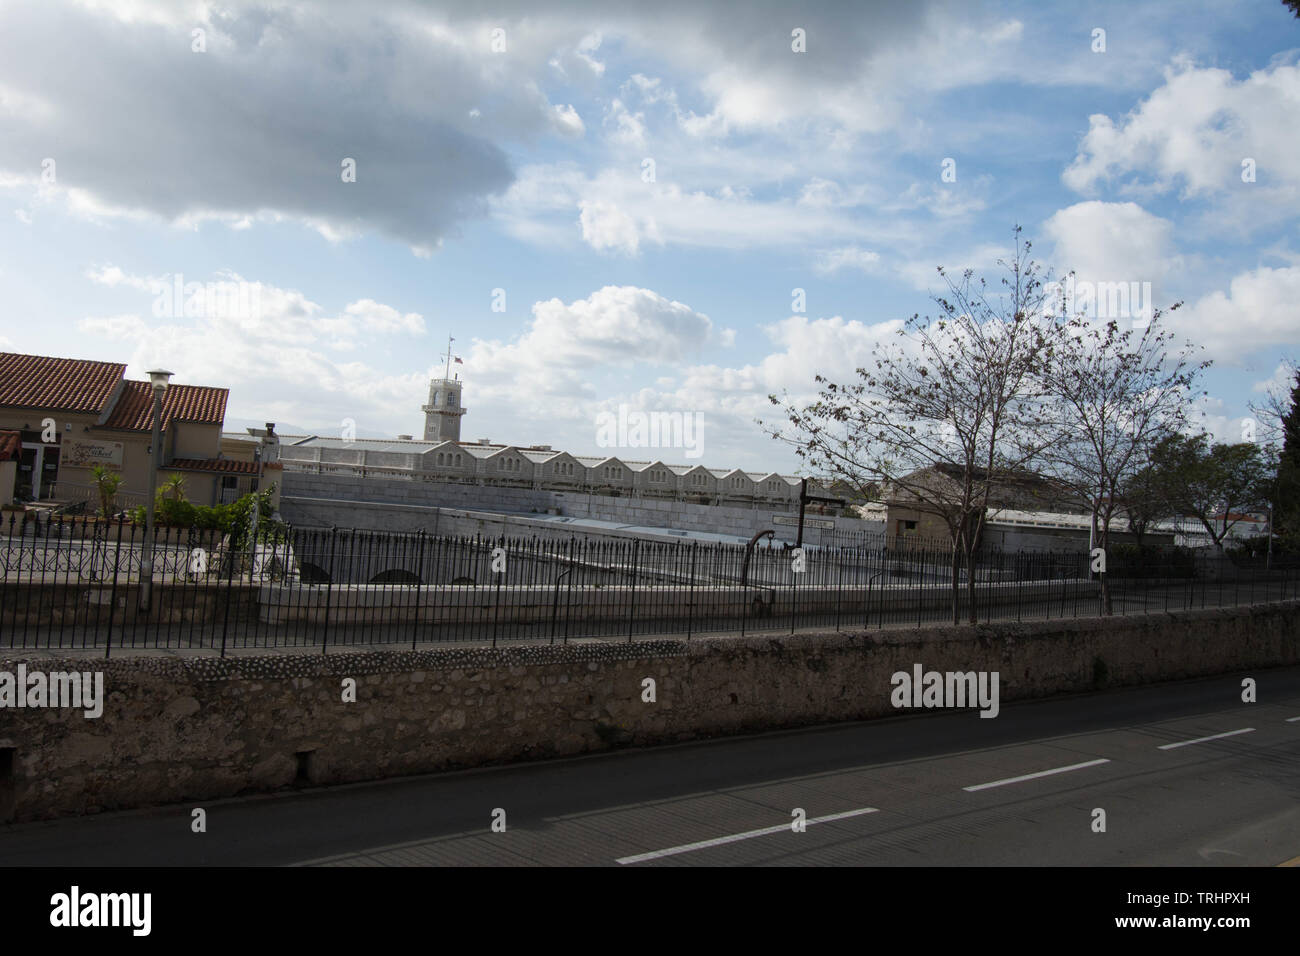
x=440, y=458
x=905, y=527
x=451, y=399
x=458, y=461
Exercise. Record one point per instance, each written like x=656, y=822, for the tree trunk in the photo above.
x=1107, y=608
x=956, y=590
x=972, y=616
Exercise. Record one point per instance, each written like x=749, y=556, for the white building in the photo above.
x=442, y=456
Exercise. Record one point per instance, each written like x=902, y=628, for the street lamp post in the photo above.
x=158, y=378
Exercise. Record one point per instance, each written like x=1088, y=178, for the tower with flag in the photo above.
x=442, y=413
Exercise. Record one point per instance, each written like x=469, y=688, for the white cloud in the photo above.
x=1113, y=242
x=617, y=211
x=374, y=316
x=390, y=88
x=1194, y=133
x=567, y=121
x=1257, y=312
x=629, y=128
x=1279, y=383
x=607, y=227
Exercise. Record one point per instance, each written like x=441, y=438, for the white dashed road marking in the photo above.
x=1035, y=776
x=735, y=837
x=1201, y=740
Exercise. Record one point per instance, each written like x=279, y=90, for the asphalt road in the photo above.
x=936, y=788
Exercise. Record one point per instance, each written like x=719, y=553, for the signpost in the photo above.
x=804, y=498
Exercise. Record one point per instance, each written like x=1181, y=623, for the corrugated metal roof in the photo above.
x=535, y=455
x=539, y=456
x=359, y=444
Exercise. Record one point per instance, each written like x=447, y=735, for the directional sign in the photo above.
x=824, y=523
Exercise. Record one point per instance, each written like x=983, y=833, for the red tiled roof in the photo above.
x=227, y=466
x=11, y=445
x=69, y=385
x=182, y=403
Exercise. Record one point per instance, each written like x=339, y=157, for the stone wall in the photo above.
x=194, y=729
x=352, y=502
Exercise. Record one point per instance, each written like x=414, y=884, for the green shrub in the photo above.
x=232, y=519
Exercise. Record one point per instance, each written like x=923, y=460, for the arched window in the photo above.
x=435, y=397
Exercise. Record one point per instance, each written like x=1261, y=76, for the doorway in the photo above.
x=38, y=470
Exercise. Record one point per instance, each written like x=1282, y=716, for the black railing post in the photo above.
x=329, y=592
x=419, y=589
x=112, y=598
x=631, y=612
x=690, y=598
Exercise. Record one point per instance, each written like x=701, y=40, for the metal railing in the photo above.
x=74, y=582
x=84, y=499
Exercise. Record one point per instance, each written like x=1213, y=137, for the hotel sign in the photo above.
x=824, y=524
x=82, y=453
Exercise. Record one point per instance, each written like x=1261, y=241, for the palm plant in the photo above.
x=174, y=487
x=106, y=483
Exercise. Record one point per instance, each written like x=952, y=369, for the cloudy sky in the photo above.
x=614, y=203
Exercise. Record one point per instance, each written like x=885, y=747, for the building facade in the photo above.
x=443, y=456
x=72, y=415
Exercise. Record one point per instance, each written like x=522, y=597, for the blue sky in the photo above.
x=521, y=167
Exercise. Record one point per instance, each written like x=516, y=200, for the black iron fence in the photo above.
x=75, y=582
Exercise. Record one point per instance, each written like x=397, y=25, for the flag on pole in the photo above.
x=458, y=361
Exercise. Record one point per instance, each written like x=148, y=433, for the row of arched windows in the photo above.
x=567, y=469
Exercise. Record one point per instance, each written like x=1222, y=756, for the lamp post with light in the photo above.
x=158, y=378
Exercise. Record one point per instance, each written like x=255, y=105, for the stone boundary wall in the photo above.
x=195, y=729
x=337, y=499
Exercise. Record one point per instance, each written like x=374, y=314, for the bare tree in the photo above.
x=1115, y=395
x=1273, y=413
x=946, y=416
